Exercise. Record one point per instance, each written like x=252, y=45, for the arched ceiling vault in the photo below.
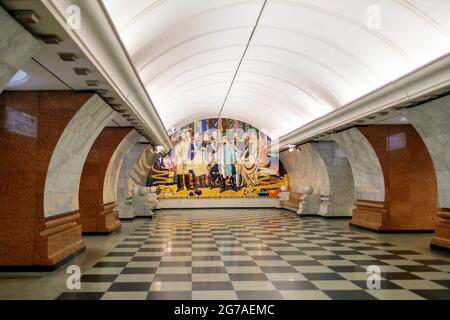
x=277, y=64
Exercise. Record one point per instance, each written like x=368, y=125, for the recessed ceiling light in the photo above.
x=82, y=71
x=92, y=83
x=18, y=79
x=68, y=57
x=50, y=38
x=102, y=91
x=26, y=16
x=403, y=120
x=109, y=99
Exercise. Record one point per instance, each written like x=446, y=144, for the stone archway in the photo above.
x=323, y=166
x=99, y=180
x=39, y=214
x=68, y=158
x=431, y=120
x=368, y=179
x=393, y=170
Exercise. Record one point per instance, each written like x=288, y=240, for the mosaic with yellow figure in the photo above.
x=218, y=158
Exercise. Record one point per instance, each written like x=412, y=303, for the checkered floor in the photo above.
x=257, y=255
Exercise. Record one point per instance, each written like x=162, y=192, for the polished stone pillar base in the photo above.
x=57, y=238
x=441, y=239
x=369, y=214
x=105, y=221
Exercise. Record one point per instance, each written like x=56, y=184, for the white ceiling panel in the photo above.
x=304, y=59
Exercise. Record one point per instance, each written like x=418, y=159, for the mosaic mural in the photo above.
x=218, y=158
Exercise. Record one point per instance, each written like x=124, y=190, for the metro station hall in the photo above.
x=249, y=150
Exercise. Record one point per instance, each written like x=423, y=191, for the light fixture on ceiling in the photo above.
x=50, y=38
x=26, y=16
x=403, y=120
x=82, y=71
x=292, y=147
x=92, y=83
x=18, y=79
x=159, y=149
x=109, y=99
x=68, y=57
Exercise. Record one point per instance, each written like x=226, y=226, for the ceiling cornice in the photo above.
x=418, y=83
x=101, y=45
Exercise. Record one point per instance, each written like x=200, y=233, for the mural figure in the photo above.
x=199, y=165
x=217, y=158
x=182, y=155
x=250, y=173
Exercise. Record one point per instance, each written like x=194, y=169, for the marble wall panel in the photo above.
x=432, y=122
x=17, y=46
x=364, y=163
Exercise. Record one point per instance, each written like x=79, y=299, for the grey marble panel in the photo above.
x=323, y=166
x=114, y=167
x=17, y=46
x=432, y=122
x=366, y=169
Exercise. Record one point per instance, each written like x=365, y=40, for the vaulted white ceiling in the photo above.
x=304, y=59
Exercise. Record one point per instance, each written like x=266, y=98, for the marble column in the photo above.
x=40, y=226
x=432, y=122
x=99, y=180
x=409, y=177
x=17, y=46
x=370, y=206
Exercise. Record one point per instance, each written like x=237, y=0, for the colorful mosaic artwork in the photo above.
x=218, y=158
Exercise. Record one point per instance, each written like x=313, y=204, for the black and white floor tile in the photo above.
x=257, y=255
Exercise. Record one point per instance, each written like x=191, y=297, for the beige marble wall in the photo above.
x=17, y=46
x=341, y=193
x=323, y=166
x=111, y=182
x=305, y=167
x=366, y=169
x=432, y=122
x=67, y=161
